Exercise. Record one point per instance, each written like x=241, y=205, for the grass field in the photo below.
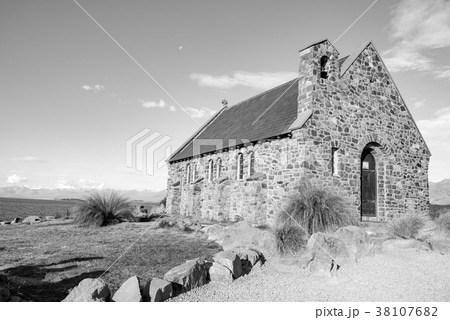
x=45, y=261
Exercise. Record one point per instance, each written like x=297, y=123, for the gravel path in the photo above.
x=405, y=276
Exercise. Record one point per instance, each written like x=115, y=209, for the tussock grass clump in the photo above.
x=101, y=207
x=290, y=239
x=407, y=227
x=443, y=224
x=311, y=209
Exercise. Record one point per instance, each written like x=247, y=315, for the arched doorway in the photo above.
x=368, y=184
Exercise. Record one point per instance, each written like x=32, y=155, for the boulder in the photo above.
x=230, y=260
x=189, y=275
x=242, y=234
x=16, y=220
x=31, y=219
x=219, y=273
x=250, y=255
x=396, y=245
x=49, y=218
x=248, y=258
x=130, y=291
x=258, y=176
x=325, y=252
x=160, y=290
x=89, y=290
x=214, y=232
x=356, y=239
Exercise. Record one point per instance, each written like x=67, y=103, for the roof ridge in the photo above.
x=262, y=93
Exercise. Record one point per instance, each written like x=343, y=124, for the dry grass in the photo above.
x=316, y=209
x=311, y=209
x=101, y=207
x=443, y=225
x=407, y=227
x=45, y=261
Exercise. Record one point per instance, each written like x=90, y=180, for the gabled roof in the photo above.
x=263, y=116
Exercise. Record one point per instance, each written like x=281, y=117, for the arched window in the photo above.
x=323, y=67
x=218, y=168
x=240, y=166
x=251, y=163
x=194, y=173
x=188, y=173
x=210, y=170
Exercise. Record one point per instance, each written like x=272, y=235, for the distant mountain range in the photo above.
x=43, y=193
x=440, y=192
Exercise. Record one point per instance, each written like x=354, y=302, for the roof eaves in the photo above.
x=300, y=121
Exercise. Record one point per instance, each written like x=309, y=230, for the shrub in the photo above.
x=407, y=227
x=290, y=239
x=101, y=207
x=311, y=209
x=165, y=223
x=317, y=209
x=443, y=224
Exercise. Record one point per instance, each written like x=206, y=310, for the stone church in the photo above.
x=342, y=123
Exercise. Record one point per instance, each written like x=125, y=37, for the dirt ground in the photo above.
x=406, y=276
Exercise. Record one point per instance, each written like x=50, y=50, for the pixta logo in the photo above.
x=147, y=151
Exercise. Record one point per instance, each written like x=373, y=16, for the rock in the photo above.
x=16, y=220
x=356, y=239
x=219, y=273
x=230, y=260
x=4, y=291
x=258, y=176
x=189, y=275
x=160, y=290
x=214, y=232
x=250, y=255
x=442, y=246
x=89, y=290
x=49, y=218
x=31, y=219
x=130, y=291
x=242, y=234
x=396, y=245
x=325, y=252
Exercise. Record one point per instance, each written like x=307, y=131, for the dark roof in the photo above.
x=263, y=116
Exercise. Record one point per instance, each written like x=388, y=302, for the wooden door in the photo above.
x=368, y=186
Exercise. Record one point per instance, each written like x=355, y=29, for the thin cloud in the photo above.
x=81, y=183
x=418, y=26
x=436, y=132
x=14, y=178
x=95, y=88
x=157, y=104
x=27, y=159
x=200, y=112
x=258, y=80
x=153, y=104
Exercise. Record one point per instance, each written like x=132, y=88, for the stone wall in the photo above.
x=350, y=112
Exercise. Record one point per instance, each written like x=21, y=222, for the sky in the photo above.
x=73, y=93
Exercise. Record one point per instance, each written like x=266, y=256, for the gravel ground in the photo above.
x=405, y=276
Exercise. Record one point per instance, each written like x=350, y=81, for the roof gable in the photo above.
x=351, y=59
